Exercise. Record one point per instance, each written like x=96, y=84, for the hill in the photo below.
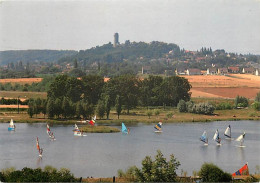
x=33, y=55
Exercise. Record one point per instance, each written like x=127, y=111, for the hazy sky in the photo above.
x=233, y=25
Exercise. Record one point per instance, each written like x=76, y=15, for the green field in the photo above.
x=22, y=95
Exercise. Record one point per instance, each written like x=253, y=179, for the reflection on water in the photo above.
x=103, y=154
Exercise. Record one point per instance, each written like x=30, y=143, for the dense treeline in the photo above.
x=70, y=97
x=33, y=55
x=130, y=50
x=49, y=174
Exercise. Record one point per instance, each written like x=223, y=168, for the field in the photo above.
x=205, y=86
x=215, y=86
x=21, y=80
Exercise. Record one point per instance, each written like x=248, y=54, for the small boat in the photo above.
x=11, y=126
x=242, y=171
x=93, y=121
x=204, y=138
x=158, y=127
x=50, y=133
x=77, y=132
x=40, y=150
x=228, y=133
x=241, y=139
x=217, y=138
x=124, y=129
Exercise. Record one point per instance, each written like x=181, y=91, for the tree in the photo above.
x=173, y=89
x=211, y=173
x=50, y=108
x=118, y=106
x=159, y=170
x=127, y=87
x=44, y=106
x=100, y=109
x=107, y=104
x=79, y=109
x=92, y=88
x=66, y=108
x=58, y=110
x=30, y=109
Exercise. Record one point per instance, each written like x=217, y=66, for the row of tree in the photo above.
x=80, y=96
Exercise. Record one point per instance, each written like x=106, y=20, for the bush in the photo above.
x=156, y=112
x=37, y=175
x=223, y=106
x=257, y=98
x=256, y=106
x=203, y=108
x=211, y=173
x=182, y=106
x=241, y=102
x=149, y=113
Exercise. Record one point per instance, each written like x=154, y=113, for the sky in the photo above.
x=233, y=25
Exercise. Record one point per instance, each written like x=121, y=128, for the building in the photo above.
x=146, y=69
x=180, y=71
x=193, y=72
x=257, y=72
x=249, y=70
x=233, y=69
x=212, y=71
x=222, y=71
x=116, y=39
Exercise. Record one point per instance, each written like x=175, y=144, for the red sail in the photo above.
x=242, y=171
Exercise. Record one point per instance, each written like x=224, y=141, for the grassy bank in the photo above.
x=168, y=115
x=99, y=129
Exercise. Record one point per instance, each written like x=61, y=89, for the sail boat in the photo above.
x=40, y=150
x=51, y=135
x=158, y=127
x=93, y=121
x=241, y=139
x=217, y=138
x=204, y=138
x=77, y=132
x=11, y=126
x=242, y=171
x=124, y=129
x=228, y=132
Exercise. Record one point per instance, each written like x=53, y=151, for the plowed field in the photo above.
x=224, y=86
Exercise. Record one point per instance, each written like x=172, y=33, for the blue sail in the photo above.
x=124, y=129
x=204, y=137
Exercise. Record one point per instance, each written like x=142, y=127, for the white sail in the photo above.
x=228, y=132
x=241, y=137
x=76, y=127
x=11, y=123
x=216, y=137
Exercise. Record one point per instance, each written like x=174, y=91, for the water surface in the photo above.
x=101, y=155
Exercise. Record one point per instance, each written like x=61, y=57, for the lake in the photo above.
x=101, y=155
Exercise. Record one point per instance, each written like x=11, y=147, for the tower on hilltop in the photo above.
x=116, y=39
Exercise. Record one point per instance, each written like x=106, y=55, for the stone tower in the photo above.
x=116, y=39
